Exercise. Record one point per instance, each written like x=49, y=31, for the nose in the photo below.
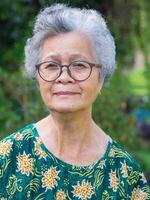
x=64, y=75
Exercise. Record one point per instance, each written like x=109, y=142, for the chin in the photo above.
x=65, y=108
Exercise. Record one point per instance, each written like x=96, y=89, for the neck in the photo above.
x=70, y=133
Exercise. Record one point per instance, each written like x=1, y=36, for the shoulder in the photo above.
x=19, y=134
x=118, y=152
x=15, y=141
x=128, y=171
x=122, y=158
x=15, y=153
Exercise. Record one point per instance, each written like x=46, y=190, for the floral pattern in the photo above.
x=24, y=163
x=84, y=190
x=124, y=170
x=18, y=136
x=5, y=148
x=101, y=165
x=38, y=150
x=60, y=195
x=49, y=179
x=29, y=171
x=138, y=194
x=113, y=180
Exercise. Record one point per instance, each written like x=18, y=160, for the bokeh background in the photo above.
x=122, y=109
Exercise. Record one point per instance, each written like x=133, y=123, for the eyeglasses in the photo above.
x=78, y=70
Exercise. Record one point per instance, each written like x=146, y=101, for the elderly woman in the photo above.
x=66, y=155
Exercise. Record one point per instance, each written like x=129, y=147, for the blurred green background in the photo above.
x=122, y=109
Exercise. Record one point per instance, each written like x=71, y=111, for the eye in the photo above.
x=80, y=65
x=51, y=66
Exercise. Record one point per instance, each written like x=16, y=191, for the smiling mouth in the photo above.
x=66, y=93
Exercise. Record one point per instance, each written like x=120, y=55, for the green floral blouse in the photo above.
x=29, y=171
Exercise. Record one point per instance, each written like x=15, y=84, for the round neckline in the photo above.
x=67, y=164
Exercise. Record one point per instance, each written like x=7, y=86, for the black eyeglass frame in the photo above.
x=68, y=70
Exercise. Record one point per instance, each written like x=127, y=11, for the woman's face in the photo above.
x=65, y=94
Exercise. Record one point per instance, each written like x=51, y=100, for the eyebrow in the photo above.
x=77, y=55
x=52, y=56
x=58, y=57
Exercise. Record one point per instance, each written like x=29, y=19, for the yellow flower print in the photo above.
x=49, y=179
x=83, y=191
x=102, y=164
x=112, y=153
x=38, y=150
x=124, y=170
x=18, y=136
x=143, y=177
x=113, y=180
x=60, y=195
x=25, y=164
x=5, y=148
x=138, y=194
x=2, y=198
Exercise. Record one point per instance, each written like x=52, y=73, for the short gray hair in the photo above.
x=60, y=18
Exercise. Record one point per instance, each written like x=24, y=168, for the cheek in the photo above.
x=45, y=91
x=91, y=94
x=94, y=94
x=94, y=87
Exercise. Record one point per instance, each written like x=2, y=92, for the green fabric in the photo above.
x=29, y=171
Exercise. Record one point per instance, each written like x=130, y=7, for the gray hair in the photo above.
x=60, y=18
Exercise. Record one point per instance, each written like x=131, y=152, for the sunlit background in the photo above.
x=122, y=109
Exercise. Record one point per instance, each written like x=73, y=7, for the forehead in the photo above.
x=73, y=44
x=71, y=55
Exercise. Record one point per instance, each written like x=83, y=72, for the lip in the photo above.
x=65, y=93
